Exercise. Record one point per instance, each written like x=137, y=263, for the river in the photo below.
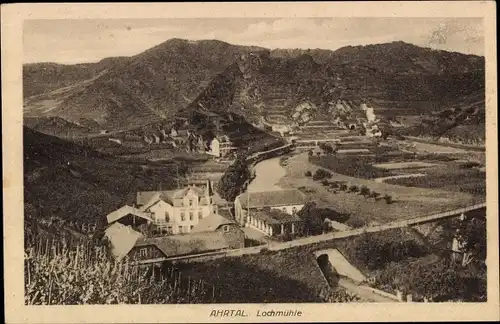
x=267, y=174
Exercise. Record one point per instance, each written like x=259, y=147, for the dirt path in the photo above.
x=363, y=292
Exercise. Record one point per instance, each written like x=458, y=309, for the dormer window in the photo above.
x=225, y=228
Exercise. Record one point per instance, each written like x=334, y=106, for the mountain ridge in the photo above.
x=180, y=74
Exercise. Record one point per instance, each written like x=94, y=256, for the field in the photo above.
x=471, y=181
x=445, y=172
x=403, y=165
x=408, y=202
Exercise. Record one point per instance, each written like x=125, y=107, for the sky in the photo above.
x=90, y=40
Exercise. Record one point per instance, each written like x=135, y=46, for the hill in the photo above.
x=132, y=91
x=68, y=186
x=396, y=79
x=181, y=76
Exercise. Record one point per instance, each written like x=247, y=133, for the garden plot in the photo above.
x=405, y=165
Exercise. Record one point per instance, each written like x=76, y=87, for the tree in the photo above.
x=364, y=191
x=438, y=281
x=374, y=195
x=310, y=153
x=231, y=183
x=308, y=174
x=327, y=149
x=472, y=236
x=325, y=182
x=321, y=174
x=313, y=224
x=334, y=185
x=343, y=187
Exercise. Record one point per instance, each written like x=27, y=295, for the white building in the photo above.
x=221, y=146
x=177, y=211
x=249, y=207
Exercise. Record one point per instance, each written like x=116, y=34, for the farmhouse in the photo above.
x=177, y=211
x=254, y=209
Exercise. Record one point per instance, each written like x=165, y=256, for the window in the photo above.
x=167, y=217
x=294, y=210
x=284, y=209
x=169, y=229
x=225, y=228
x=180, y=229
x=192, y=226
x=183, y=216
x=200, y=214
x=143, y=252
x=190, y=202
x=190, y=215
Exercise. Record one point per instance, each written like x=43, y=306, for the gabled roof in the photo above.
x=275, y=198
x=211, y=223
x=124, y=211
x=193, y=243
x=150, y=197
x=122, y=239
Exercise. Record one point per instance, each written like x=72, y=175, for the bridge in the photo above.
x=324, y=237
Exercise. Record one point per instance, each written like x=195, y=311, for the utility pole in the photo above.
x=248, y=205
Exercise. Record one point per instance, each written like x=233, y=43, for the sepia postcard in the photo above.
x=250, y=162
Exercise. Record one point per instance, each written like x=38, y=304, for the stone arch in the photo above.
x=328, y=270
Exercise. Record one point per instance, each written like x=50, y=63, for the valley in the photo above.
x=192, y=145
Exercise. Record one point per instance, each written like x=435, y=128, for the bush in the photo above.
x=375, y=195
x=353, y=188
x=325, y=182
x=308, y=174
x=321, y=174
x=251, y=242
x=343, y=187
x=375, y=250
x=364, y=191
x=356, y=223
x=334, y=185
x=388, y=199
